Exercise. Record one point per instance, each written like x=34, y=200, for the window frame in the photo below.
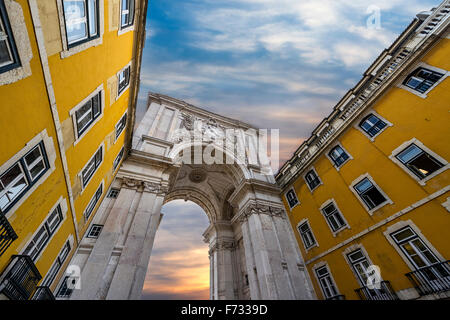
x=96, y=197
x=61, y=208
x=89, y=234
x=365, y=116
x=58, y=263
x=111, y=191
x=122, y=129
x=413, y=70
x=123, y=27
x=118, y=158
x=355, y=192
x=125, y=88
x=318, y=267
x=327, y=154
x=325, y=205
x=88, y=36
x=10, y=41
x=287, y=200
x=313, y=245
x=419, y=144
x=84, y=183
x=313, y=170
x=21, y=162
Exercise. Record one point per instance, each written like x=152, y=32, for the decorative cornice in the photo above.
x=156, y=188
x=257, y=208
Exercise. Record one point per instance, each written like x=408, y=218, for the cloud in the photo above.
x=179, y=264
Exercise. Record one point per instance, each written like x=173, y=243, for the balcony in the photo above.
x=7, y=234
x=338, y=297
x=431, y=279
x=384, y=293
x=20, y=278
x=43, y=293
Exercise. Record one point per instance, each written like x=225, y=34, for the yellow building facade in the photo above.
x=368, y=193
x=69, y=73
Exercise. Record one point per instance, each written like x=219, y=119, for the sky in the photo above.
x=275, y=64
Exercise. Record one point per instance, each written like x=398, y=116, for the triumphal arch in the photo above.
x=179, y=151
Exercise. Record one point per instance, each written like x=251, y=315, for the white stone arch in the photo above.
x=252, y=249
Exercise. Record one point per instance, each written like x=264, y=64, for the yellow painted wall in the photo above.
x=412, y=117
x=25, y=113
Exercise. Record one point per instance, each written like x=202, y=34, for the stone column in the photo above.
x=94, y=277
x=272, y=264
x=129, y=276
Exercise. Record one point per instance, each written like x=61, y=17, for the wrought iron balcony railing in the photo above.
x=385, y=292
x=43, y=293
x=20, y=278
x=338, y=297
x=431, y=279
x=7, y=234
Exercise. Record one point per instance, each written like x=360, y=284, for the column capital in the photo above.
x=259, y=208
x=131, y=183
x=222, y=244
x=154, y=187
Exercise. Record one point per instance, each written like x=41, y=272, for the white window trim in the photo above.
x=319, y=265
x=326, y=203
x=408, y=223
x=285, y=197
x=51, y=157
x=316, y=243
x=352, y=248
x=427, y=66
x=318, y=177
x=22, y=42
x=62, y=202
x=403, y=146
x=80, y=174
x=121, y=159
x=365, y=114
x=124, y=128
x=71, y=242
x=331, y=160
x=66, y=51
x=102, y=183
x=81, y=104
x=129, y=28
x=359, y=179
x=129, y=83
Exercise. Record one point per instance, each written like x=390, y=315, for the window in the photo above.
x=118, y=158
x=418, y=161
x=67, y=287
x=121, y=125
x=113, y=193
x=326, y=282
x=306, y=234
x=369, y=193
x=87, y=113
x=312, y=179
x=338, y=155
x=9, y=58
x=359, y=264
x=291, y=198
x=17, y=179
x=43, y=235
x=334, y=217
x=82, y=20
x=90, y=207
x=422, y=79
x=51, y=275
x=127, y=13
x=91, y=167
x=414, y=248
x=372, y=125
x=95, y=230
x=124, y=79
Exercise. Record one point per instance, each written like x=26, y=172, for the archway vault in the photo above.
x=252, y=250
